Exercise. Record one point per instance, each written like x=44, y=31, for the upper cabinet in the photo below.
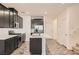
x=15, y=20
x=4, y=17
x=13, y=17
x=9, y=18
x=20, y=21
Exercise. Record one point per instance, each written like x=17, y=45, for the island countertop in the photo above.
x=4, y=37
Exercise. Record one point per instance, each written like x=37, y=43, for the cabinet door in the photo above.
x=1, y=16
x=6, y=18
x=11, y=19
x=16, y=42
x=36, y=45
x=12, y=46
x=21, y=23
x=8, y=46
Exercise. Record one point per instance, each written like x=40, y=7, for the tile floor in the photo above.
x=53, y=48
x=23, y=50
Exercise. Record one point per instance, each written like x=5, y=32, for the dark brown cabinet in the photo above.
x=10, y=45
x=13, y=16
x=36, y=46
x=7, y=46
x=6, y=20
x=15, y=20
x=4, y=17
x=9, y=18
x=20, y=21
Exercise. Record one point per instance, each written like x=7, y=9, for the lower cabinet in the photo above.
x=36, y=46
x=9, y=45
x=23, y=37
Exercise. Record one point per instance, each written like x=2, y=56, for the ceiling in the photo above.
x=49, y=9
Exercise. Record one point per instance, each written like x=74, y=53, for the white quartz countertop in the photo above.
x=40, y=36
x=37, y=36
x=4, y=37
x=43, y=35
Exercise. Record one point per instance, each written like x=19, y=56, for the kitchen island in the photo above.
x=38, y=44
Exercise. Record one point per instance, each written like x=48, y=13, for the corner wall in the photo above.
x=63, y=28
x=74, y=25
x=54, y=29
x=68, y=27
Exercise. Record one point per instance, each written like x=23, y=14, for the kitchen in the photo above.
x=15, y=35
x=39, y=29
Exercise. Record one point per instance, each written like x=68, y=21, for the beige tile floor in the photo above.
x=53, y=48
x=23, y=50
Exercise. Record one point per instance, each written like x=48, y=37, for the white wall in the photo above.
x=74, y=25
x=27, y=26
x=48, y=22
x=54, y=29
x=63, y=28
x=67, y=27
